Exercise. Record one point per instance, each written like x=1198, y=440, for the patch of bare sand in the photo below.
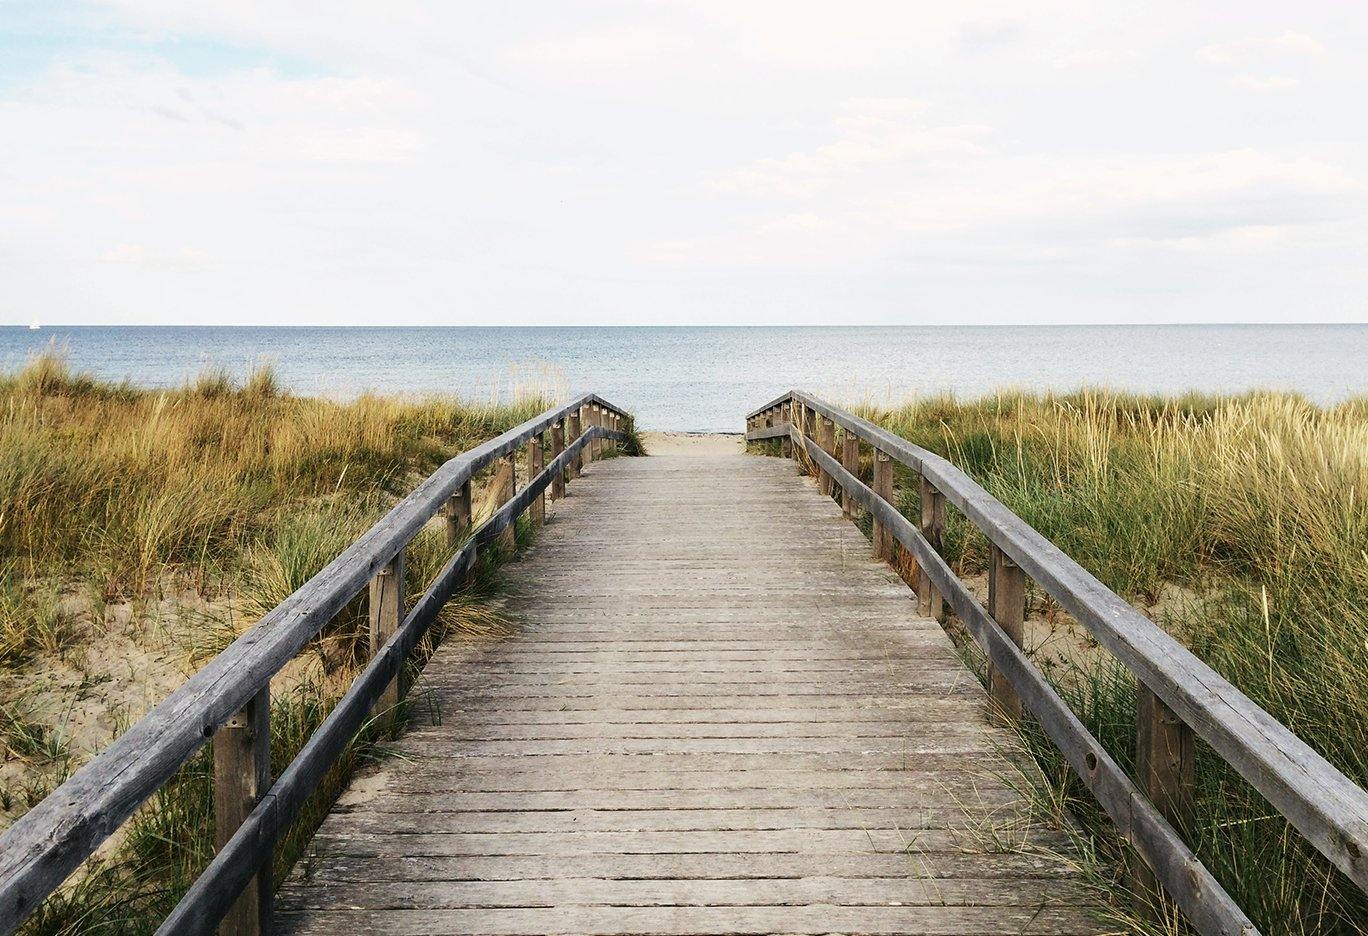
x=693, y=444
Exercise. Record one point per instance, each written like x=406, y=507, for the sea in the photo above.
x=705, y=379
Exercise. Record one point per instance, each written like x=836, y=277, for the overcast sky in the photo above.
x=682, y=161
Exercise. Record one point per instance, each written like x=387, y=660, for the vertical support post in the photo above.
x=826, y=440
x=571, y=434
x=850, y=461
x=1165, y=761
x=929, y=600
x=557, y=446
x=1007, y=605
x=809, y=432
x=586, y=422
x=883, y=486
x=242, y=773
x=505, y=486
x=536, y=461
x=458, y=515
x=386, y=611
x=786, y=415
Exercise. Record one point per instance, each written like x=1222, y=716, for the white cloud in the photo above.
x=181, y=260
x=542, y=162
x=1265, y=83
x=1180, y=199
x=1242, y=50
x=614, y=48
x=874, y=131
x=1094, y=58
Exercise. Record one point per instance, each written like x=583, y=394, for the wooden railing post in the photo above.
x=786, y=415
x=536, y=461
x=505, y=486
x=1007, y=605
x=809, y=418
x=242, y=773
x=458, y=516
x=1165, y=761
x=571, y=434
x=386, y=611
x=850, y=461
x=929, y=601
x=826, y=440
x=557, y=446
x=883, y=487
x=586, y=423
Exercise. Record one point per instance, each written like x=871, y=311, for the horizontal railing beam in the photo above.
x=45, y=845
x=777, y=401
x=1323, y=804
x=1187, y=880
x=778, y=431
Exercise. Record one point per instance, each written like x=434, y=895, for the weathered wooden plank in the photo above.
x=437, y=797
x=685, y=921
x=326, y=869
x=735, y=842
x=242, y=774
x=902, y=891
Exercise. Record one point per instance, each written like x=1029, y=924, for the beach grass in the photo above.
x=1240, y=524
x=166, y=522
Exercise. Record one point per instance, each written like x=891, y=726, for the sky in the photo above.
x=682, y=162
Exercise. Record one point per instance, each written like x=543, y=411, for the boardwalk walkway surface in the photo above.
x=717, y=715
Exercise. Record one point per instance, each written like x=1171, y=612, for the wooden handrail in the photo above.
x=44, y=846
x=1321, y=802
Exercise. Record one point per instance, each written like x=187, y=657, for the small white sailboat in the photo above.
x=34, y=326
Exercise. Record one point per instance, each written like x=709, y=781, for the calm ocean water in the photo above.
x=709, y=378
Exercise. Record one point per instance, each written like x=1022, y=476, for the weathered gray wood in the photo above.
x=1042, y=920
x=850, y=460
x=505, y=485
x=557, y=446
x=587, y=422
x=1201, y=897
x=1007, y=605
x=1328, y=808
x=761, y=433
x=826, y=438
x=574, y=431
x=933, y=528
x=1165, y=768
x=242, y=774
x=647, y=733
x=458, y=515
x=386, y=607
x=47, y=843
x=883, y=487
x=536, y=461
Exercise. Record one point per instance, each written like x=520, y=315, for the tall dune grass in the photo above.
x=121, y=487
x=1251, y=510
x=237, y=491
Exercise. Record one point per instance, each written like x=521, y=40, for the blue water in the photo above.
x=709, y=378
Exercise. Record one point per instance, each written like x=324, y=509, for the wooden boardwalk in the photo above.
x=717, y=715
